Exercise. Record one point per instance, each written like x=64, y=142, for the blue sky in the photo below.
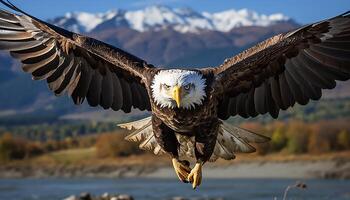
x=303, y=11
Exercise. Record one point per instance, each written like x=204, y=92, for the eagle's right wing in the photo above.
x=82, y=66
x=285, y=69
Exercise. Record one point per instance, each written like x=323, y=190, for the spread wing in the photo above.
x=285, y=69
x=83, y=67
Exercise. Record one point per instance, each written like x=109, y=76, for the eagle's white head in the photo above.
x=178, y=88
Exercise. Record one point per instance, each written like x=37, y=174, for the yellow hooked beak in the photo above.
x=177, y=95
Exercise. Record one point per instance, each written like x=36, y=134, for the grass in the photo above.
x=63, y=157
x=72, y=156
x=88, y=157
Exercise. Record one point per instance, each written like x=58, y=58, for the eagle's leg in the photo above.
x=195, y=176
x=166, y=138
x=182, y=169
x=205, y=141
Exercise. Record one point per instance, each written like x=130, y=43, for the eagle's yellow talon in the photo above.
x=181, y=169
x=195, y=177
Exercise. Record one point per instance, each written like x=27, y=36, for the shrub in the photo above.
x=327, y=131
x=318, y=143
x=262, y=148
x=298, y=135
x=87, y=141
x=34, y=149
x=343, y=140
x=51, y=145
x=11, y=148
x=114, y=145
x=278, y=140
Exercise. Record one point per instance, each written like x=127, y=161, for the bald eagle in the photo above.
x=188, y=106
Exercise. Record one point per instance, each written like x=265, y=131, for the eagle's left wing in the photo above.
x=285, y=69
x=69, y=62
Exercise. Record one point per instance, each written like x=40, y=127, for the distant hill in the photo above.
x=175, y=38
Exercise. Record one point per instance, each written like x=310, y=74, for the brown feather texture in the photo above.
x=285, y=69
x=69, y=62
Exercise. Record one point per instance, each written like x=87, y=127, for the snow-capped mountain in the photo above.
x=83, y=21
x=162, y=17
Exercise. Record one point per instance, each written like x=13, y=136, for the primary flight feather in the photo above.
x=188, y=106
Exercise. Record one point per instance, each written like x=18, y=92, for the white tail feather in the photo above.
x=143, y=134
x=230, y=140
x=136, y=124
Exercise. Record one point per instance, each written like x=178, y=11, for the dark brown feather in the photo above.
x=223, y=111
x=94, y=93
x=127, y=96
x=259, y=99
x=30, y=68
x=47, y=68
x=118, y=93
x=314, y=76
x=107, y=90
x=39, y=57
x=232, y=106
x=295, y=66
x=250, y=104
x=136, y=99
x=240, y=105
x=15, y=35
x=296, y=90
x=276, y=91
x=323, y=70
x=8, y=17
x=18, y=45
x=10, y=26
x=67, y=79
x=82, y=88
x=82, y=66
x=56, y=78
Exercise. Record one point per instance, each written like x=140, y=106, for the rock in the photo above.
x=178, y=198
x=85, y=196
x=73, y=197
x=105, y=196
x=123, y=197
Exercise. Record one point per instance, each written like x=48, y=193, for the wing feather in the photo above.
x=70, y=76
x=107, y=90
x=118, y=93
x=81, y=66
x=285, y=69
x=127, y=96
x=56, y=78
x=82, y=88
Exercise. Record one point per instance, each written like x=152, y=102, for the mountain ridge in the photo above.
x=162, y=17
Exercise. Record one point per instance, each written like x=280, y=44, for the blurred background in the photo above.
x=51, y=149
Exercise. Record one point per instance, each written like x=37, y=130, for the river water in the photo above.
x=164, y=189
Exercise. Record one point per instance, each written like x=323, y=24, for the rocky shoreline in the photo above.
x=105, y=196
x=68, y=171
x=326, y=169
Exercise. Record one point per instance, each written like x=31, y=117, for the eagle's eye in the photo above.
x=187, y=87
x=165, y=86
